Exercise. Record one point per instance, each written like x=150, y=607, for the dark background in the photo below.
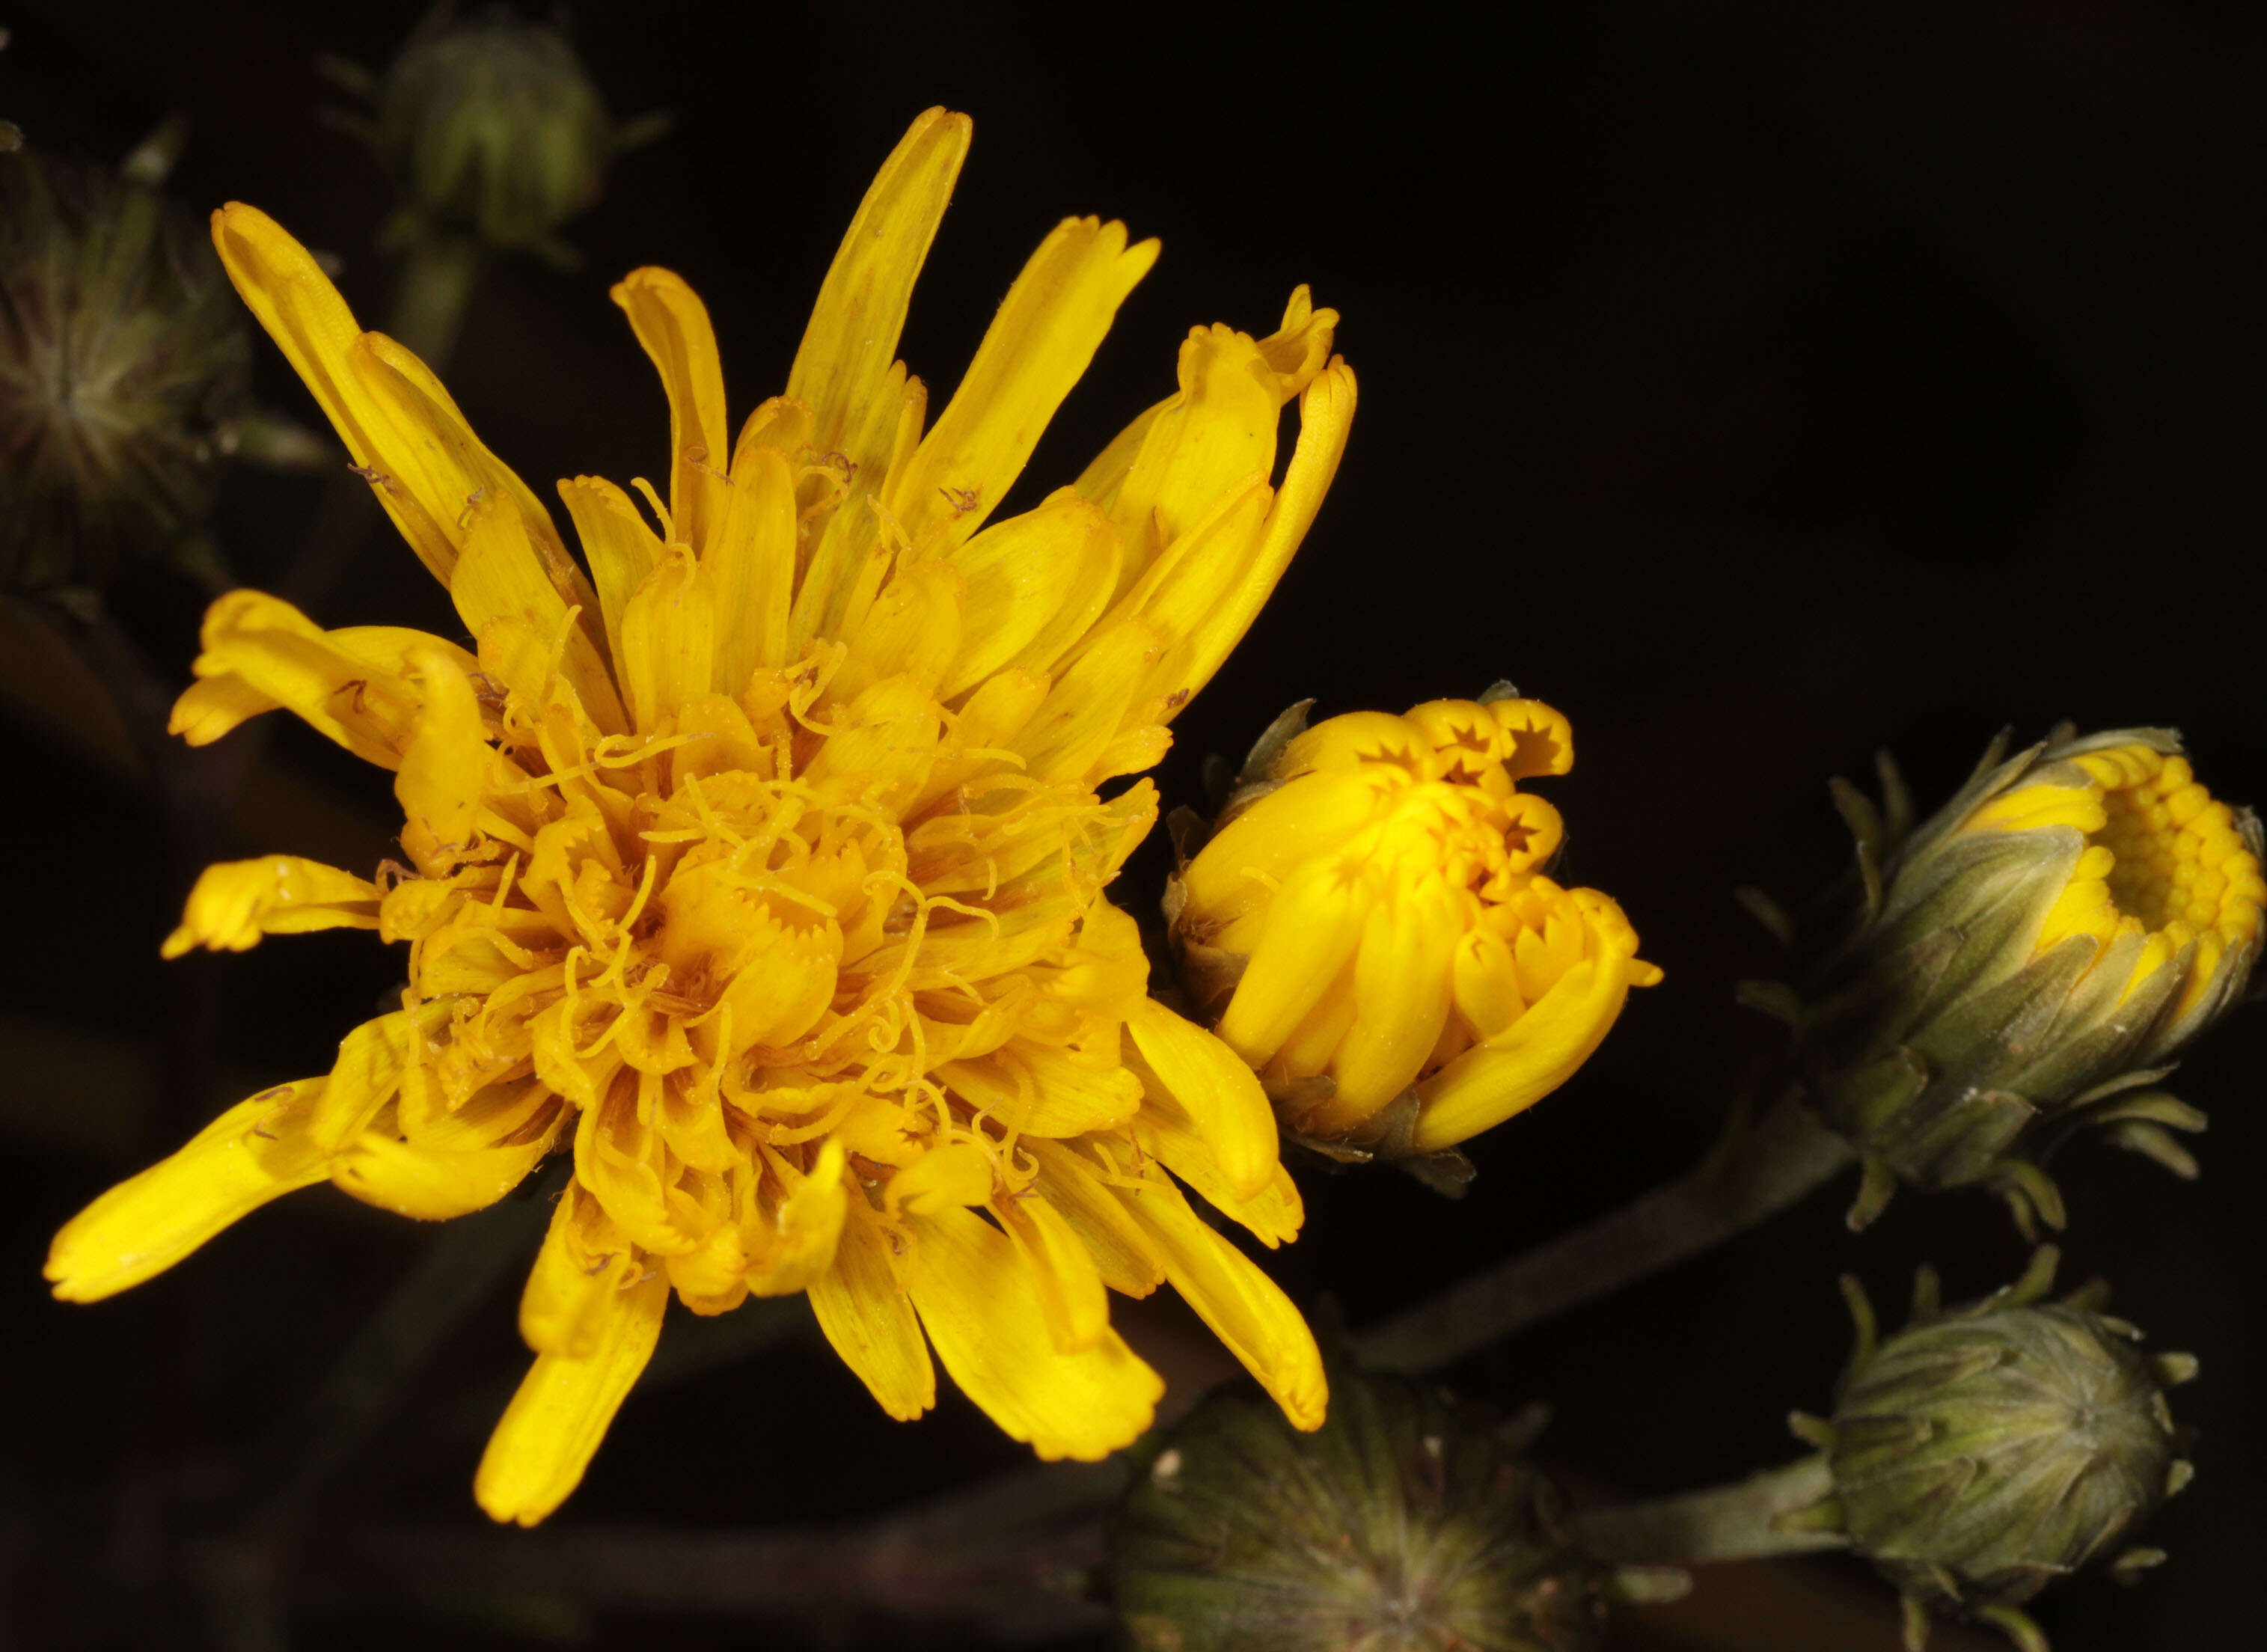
x=1760, y=384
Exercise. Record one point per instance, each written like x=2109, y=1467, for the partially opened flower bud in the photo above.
x=2026, y=962
x=490, y=124
x=123, y=362
x=1983, y=1453
x=1405, y=1523
x=1372, y=928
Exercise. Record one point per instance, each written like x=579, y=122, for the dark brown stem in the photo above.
x=1011, y=1557
x=1762, y=1169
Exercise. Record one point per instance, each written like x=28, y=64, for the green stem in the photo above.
x=431, y=295
x=467, y=1261
x=1766, y=1166
x=1726, y=1523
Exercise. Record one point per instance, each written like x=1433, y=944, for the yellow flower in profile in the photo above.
x=763, y=870
x=1371, y=930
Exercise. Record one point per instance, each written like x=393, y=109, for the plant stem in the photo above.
x=431, y=294
x=1726, y=1522
x=1761, y=1169
x=466, y=1263
x=1006, y=1556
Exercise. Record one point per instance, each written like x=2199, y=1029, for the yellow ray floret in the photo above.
x=1372, y=930
x=760, y=870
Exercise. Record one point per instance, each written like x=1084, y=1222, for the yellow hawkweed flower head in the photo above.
x=1370, y=925
x=2025, y=963
x=763, y=870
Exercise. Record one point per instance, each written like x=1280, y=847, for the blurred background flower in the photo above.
x=124, y=364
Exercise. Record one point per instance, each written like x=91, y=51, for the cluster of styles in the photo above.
x=757, y=875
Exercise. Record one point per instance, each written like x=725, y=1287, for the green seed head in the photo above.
x=1404, y=1524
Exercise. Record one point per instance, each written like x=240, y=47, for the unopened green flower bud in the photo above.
x=1983, y=1453
x=490, y=124
x=123, y=365
x=2023, y=964
x=1405, y=1523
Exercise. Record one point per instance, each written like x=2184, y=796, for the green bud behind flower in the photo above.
x=1983, y=1453
x=124, y=366
x=1405, y=1523
x=2022, y=965
x=490, y=126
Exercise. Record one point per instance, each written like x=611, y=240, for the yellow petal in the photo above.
x=1486, y=982
x=621, y=548
x=947, y=1178
x=913, y=630
x=669, y=640
x=215, y=707
x=1273, y=1215
x=1401, y=991
x=808, y=1227
x=236, y=902
x=1222, y=599
x=1035, y=585
x=285, y=656
x=284, y=288
x=585, y=1263
x=1535, y=1054
x=1038, y=346
x=1090, y=702
x=445, y=767
x=1073, y=1184
x=981, y=1309
x=1220, y=429
x=626, y=1166
x=1312, y=929
x=1071, y=1295
x=752, y=566
x=883, y=743
x=672, y=324
x=432, y=1183
x=1211, y=1083
x=1247, y=1310
x=256, y=1152
x=869, y=1320
x=1243, y=864
x=1043, y=1092
x=371, y=1059
x=853, y=335
x=1295, y=351
x=499, y=576
x=470, y=476
x=405, y=433
x=850, y=549
x=552, y=1428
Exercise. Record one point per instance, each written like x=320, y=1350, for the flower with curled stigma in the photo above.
x=760, y=870
x=1370, y=925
